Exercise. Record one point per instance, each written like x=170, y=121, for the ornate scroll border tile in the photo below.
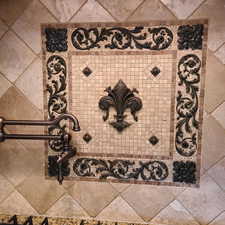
x=188, y=39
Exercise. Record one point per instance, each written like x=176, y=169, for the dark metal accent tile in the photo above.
x=87, y=71
x=155, y=71
x=87, y=137
x=153, y=140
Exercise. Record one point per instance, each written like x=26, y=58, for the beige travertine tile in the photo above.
x=217, y=173
x=213, y=142
x=92, y=12
x=66, y=207
x=215, y=11
x=16, y=163
x=16, y=204
x=146, y=200
x=220, y=54
x=63, y=10
x=15, y=56
x=175, y=214
x=220, y=220
x=120, y=9
x=215, y=80
x=120, y=187
x=15, y=106
x=182, y=9
x=39, y=192
x=6, y=188
x=93, y=196
x=119, y=210
x=3, y=28
x=28, y=25
x=151, y=10
x=10, y=11
x=4, y=85
x=219, y=114
x=31, y=83
x=204, y=203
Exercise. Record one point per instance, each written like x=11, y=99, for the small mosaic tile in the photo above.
x=137, y=90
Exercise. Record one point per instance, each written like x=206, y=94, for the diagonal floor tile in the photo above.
x=66, y=207
x=15, y=56
x=63, y=10
x=219, y=114
x=92, y=12
x=28, y=24
x=119, y=210
x=213, y=142
x=39, y=192
x=5, y=188
x=31, y=78
x=4, y=85
x=220, y=220
x=3, y=28
x=120, y=187
x=174, y=214
x=204, y=203
x=214, y=85
x=220, y=54
x=10, y=11
x=16, y=204
x=146, y=200
x=120, y=9
x=217, y=173
x=215, y=11
x=93, y=196
x=182, y=9
x=151, y=10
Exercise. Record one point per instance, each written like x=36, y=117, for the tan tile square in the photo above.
x=4, y=85
x=182, y=9
x=3, y=28
x=119, y=210
x=16, y=162
x=92, y=12
x=146, y=200
x=10, y=10
x=66, y=206
x=215, y=11
x=93, y=196
x=63, y=10
x=6, y=188
x=215, y=81
x=31, y=78
x=15, y=56
x=28, y=25
x=219, y=114
x=174, y=214
x=204, y=203
x=220, y=220
x=151, y=10
x=220, y=54
x=49, y=191
x=213, y=142
x=120, y=9
x=17, y=204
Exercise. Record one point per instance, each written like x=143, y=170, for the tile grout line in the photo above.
x=76, y=12
x=169, y=9
x=220, y=46
x=216, y=217
x=132, y=13
x=195, y=10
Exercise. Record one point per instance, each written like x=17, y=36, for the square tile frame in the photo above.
x=189, y=40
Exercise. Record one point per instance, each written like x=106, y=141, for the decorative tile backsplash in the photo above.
x=137, y=90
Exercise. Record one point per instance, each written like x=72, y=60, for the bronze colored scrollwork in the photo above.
x=121, y=98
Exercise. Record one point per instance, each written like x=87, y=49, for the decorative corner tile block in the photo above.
x=143, y=107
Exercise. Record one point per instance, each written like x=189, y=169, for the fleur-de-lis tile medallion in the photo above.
x=121, y=98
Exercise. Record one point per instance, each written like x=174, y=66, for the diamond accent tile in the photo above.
x=31, y=78
x=87, y=71
x=95, y=197
x=146, y=200
x=15, y=56
x=182, y=9
x=28, y=24
x=120, y=9
x=153, y=140
x=204, y=203
x=155, y=71
x=219, y=114
x=66, y=206
x=119, y=210
x=87, y=138
x=63, y=10
x=92, y=12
